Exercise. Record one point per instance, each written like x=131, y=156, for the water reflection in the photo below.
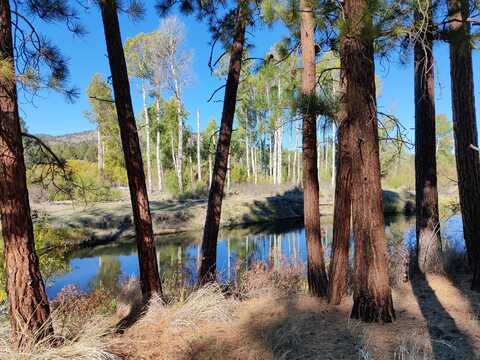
x=276, y=245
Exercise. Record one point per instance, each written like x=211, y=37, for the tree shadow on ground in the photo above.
x=303, y=328
x=447, y=340
x=288, y=205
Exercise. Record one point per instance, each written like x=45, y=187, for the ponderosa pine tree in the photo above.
x=317, y=277
x=21, y=60
x=28, y=305
x=230, y=30
x=149, y=276
x=465, y=130
x=207, y=271
x=372, y=298
x=429, y=242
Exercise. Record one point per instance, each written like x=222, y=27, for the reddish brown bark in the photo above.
x=465, y=131
x=28, y=305
x=214, y=208
x=372, y=299
x=429, y=242
x=149, y=277
x=338, y=274
x=317, y=277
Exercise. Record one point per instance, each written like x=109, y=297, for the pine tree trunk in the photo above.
x=429, y=243
x=149, y=277
x=372, y=299
x=338, y=274
x=207, y=271
x=147, y=137
x=317, y=277
x=465, y=131
x=199, y=166
x=28, y=307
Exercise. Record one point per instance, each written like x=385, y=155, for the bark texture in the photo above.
x=465, y=131
x=372, y=295
x=149, y=277
x=28, y=306
x=214, y=208
x=429, y=242
x=317, y=277
x=338, y=274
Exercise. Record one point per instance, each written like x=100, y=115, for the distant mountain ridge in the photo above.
x=73, y=138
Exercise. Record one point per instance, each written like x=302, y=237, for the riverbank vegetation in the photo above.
x=304, y=115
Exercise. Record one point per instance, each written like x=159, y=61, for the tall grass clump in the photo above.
x=170, y=331
x=81, y=333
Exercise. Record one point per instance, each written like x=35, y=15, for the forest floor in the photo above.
x=436, y=319
x=267, y=316
x=104, y=222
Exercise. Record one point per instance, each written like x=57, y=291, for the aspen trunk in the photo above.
x=199, y=166
x=149, y=277
x=317, y=277
x=210, y=171
x=99, y=151
x=28, y=307
x=147, y=137
x=158, y=153
x=207, y=271
x=247, y=153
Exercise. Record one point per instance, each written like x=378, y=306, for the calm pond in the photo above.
x=278, y=244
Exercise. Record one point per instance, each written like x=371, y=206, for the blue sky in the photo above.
x=50, y=113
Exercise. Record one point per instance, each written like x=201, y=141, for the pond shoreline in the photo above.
x=103, y=223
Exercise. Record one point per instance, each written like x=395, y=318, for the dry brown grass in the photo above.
x=269, y=316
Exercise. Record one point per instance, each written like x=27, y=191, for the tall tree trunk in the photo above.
x=338, y=274
x=317, y=277
x=180, y=128
x=158, y=153
x=28, y=306
x=465, y=131
x=247, y=152
x=279, y=153
x=147, y=137
x=191, y=169
x=199, y=166
x=334, y=144
x=210, y=170
x=270, y=158
x=254, y=162
x=212, y=222
x=372, y=298
x=149, y=277
x=429, y=242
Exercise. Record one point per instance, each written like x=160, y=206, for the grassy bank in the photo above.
x=109, y=221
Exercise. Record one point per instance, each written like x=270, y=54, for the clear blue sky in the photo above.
x=50, y=113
